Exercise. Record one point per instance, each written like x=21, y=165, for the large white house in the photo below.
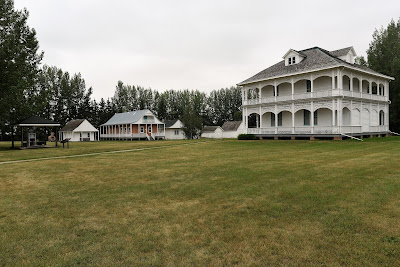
x=139, y=124
x=316, y=93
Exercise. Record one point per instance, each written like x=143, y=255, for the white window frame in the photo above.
x=176, y=132
x=141, y=129
x=149, y=129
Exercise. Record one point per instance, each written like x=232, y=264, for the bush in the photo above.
x=247, y=137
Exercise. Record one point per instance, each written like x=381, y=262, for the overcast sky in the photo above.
x=205, y=45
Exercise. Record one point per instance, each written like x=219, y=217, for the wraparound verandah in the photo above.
x=321, y=121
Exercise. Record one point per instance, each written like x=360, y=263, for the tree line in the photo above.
x=29, y=88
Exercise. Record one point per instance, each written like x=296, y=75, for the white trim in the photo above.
x=315, y=70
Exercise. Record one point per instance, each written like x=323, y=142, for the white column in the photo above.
x=370, y=88
x=276, y=119
x=377, y=88
x=333, y=113
x=257, y=121
x=293, y=118
x=361, y=108
x=312, y=117
x=360, y=85
x=292, y=88
x=351, y=82
x=333, y=80
x=339, y=119
x=260, y=118
x=312, y=85
x=260, y=92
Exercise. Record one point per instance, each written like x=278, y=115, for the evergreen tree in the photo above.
x=384, y=57
x=19, y=65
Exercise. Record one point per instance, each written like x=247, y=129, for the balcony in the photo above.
x=313, y=95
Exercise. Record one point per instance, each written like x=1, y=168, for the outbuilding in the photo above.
x=174, y=130
x=79, y=130
x=231, y=129
x=212, y=132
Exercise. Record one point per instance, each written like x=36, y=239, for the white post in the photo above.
x=260, y=118
x=293, y=118
x=276, y=119
x=351, y=82
x=333, y=80
x=312, y=84
x=292, y=88
x=333, y=113
x=312, y=117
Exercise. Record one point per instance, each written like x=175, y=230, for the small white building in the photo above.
x=174, y=130
x=231, y=129
x=79, y=130
x=212, y=132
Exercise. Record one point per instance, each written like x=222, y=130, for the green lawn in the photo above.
x=216, y=203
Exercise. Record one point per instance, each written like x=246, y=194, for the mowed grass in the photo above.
x=218, y=203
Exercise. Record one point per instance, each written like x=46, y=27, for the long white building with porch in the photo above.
x=133, y=125
x=316, y=93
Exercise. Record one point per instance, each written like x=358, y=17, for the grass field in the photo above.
x=213, y=203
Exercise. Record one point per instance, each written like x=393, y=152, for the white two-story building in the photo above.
x=316, y=93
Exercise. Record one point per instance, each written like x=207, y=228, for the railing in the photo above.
x=379, y=128
x=133, y=135
x=311, y=130
x=315, y=94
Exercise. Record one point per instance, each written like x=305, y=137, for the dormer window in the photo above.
x=291, y=60
x=293, y=57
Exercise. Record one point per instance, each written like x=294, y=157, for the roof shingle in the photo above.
x=316, y=58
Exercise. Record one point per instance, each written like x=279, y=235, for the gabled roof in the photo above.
x=210, y=129
x=297, y=52
x=72, y=125
x=36, y=121
x=170, y=123
x=231, y=125
x=316, y=59
x=127, y=117
x=342, y=52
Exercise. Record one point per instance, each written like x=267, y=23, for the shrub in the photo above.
x=247, y=137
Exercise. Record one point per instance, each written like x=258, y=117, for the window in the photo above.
x=176, y=132
x=308, y=86
x=290, y=61
x=306, y=118
x=272, y=120
x=145, y=117
x=141, y=129
x=280, y=119
x=316, y=117
x=149, y=129
x=294, y=60
x=88, y=135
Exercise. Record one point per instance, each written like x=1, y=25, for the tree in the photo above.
x=192, y=123
x=384, y=57
x=19, y=65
